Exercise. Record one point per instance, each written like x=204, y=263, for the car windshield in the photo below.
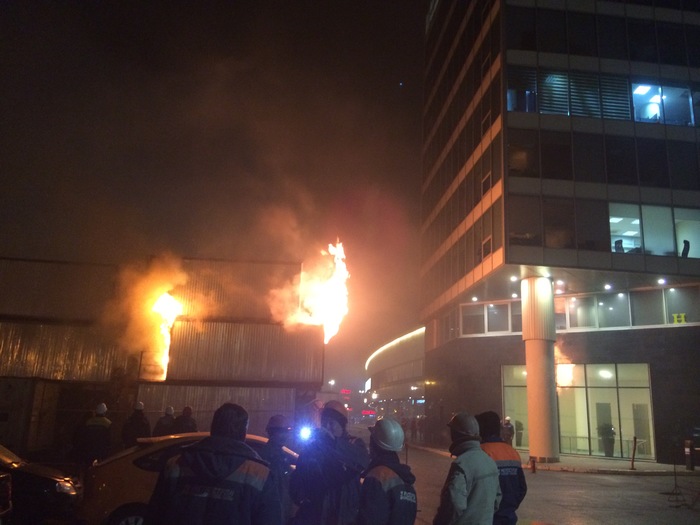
x=7, y=456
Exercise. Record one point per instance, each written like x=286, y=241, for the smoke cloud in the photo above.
x=129, y=317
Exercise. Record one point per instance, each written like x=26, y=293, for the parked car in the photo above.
x=5, y=496
x=117, y=489
x=39, y=492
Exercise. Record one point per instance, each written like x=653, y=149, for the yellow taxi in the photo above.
x=117, y=489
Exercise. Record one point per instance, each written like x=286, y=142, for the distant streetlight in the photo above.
x=331, y=382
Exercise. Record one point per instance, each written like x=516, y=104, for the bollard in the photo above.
x=689, y=451
x=533, y=465
x=634, y=451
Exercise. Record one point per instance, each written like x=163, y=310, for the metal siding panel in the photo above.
x=56, y=352
x=217, y=351
x=260, y=402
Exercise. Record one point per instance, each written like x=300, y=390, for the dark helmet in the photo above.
x=278, y=422
x=464, y=424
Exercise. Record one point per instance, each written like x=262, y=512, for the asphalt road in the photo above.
x=569, y=498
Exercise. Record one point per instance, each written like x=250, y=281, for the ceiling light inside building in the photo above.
x=630, y=233
x=615, y=220
x=641, y=90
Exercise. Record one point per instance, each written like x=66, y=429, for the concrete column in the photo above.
x=539, y=334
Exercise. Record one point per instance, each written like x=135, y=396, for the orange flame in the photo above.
x=168, y=308
x=321, y=297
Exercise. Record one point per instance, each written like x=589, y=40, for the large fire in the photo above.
x=168, y=309
x=321, y=298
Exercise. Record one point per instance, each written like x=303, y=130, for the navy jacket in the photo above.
x=510, y=476
x=215, y=481
x=388, y=496
x=326, y=482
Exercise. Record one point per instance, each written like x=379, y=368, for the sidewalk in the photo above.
x=597, y=465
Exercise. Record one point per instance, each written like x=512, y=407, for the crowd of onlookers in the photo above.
x=338, y=479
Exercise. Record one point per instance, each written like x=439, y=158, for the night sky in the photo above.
x=245, y=130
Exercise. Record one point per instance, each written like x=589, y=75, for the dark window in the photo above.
x=585, y=95
x=520, y=22
x=614, y=92
x=551, y=31
x=553, y=92
x=642, y=40
x=523, y=153
x=677, y=101
x=589, y=160
x=477, y=249
x=495, y=96
x=516, y=317
x=469, y=251
x=692, y=38
x=592, y=225
x=671, y=44
x=497, y=317
x=496, y=159
x=653, y=168
x=620, y=161
x=558, y=220
x=581, y=33
x=522, y=90
x=683, y=165
x=647, y=307
x=524, y=220
x=473, y=319
x=695, y=93
x=486, y=173
x=497, y=224
x=556, y=155
x=612, y=37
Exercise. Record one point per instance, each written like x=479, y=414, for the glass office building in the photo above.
x=560, y=220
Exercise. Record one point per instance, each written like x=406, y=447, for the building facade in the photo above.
x=560, y=221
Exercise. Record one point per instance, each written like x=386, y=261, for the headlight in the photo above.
x=66, y=487
x=305, y=433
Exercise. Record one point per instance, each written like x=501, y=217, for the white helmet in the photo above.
x=387, y=434
x=101, y=409
x=169, y=410
x=139, y=405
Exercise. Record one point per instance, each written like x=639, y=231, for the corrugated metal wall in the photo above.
x=261, y=403
x=54, y=290
x=54, y=351
x=252, y=352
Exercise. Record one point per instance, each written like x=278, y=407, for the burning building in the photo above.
x=73, y=335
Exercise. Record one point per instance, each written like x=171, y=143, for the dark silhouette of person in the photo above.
x=218, y=480
x=166, y=423
x=185, y=422
x=136, y=426
x=93, y=439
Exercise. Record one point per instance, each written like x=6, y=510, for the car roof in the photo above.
x=147, y=445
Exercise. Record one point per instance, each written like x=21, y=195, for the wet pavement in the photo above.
x=597, y=465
